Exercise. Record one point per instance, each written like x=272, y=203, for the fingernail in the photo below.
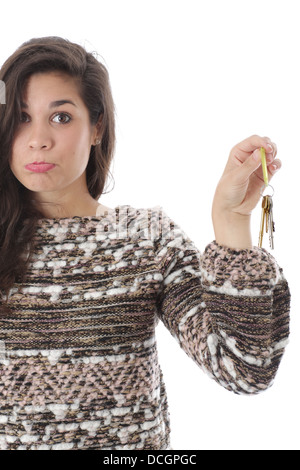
x=274, y=168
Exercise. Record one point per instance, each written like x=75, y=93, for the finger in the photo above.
x=256, y=141
x=249, y=166
x=274, y=167
x=270, y=157
x=275, y=149
x=272, y=147
x=253, y=164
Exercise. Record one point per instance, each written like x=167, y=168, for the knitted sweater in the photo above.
x=78, y=357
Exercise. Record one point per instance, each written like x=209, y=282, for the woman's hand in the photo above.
x=239, y=190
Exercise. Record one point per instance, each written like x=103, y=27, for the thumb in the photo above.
x=250, y=164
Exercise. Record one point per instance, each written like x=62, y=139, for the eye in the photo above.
x=24, y=117
x=62, y=118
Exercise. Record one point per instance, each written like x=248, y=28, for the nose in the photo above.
x=39, y=137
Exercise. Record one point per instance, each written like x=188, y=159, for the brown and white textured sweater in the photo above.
x=78, y=356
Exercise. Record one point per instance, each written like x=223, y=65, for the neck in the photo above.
x=66, y=204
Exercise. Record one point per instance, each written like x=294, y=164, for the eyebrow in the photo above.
x=53, y=104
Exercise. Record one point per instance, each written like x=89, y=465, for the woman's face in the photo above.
x=52, y=144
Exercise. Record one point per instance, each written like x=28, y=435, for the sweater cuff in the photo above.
x=251, y=272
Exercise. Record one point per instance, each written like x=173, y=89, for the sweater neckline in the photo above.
x=78, y=218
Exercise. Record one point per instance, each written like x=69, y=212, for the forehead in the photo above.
x=50, y=84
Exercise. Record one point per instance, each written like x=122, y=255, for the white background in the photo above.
x=191, y=79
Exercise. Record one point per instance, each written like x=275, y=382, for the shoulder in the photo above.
x=102, y=210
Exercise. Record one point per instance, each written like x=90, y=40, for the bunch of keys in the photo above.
x=267, y=223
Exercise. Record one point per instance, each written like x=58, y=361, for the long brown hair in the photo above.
x=18, y=215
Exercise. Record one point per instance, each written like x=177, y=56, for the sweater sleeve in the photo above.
x=228, y=309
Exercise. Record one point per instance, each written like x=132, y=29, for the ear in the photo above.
x=99, y=127
x=97, y=133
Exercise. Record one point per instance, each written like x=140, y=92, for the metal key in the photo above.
x=264, y=205
x=267, y=212
x=271, y=223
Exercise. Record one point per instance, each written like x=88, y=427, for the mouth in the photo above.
x=39, y=167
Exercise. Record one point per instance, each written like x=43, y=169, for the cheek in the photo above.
x=15, y=158
x=80, y=149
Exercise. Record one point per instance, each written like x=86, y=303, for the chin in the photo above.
x=39, y=188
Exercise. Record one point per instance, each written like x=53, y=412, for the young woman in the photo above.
x=83, y=285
